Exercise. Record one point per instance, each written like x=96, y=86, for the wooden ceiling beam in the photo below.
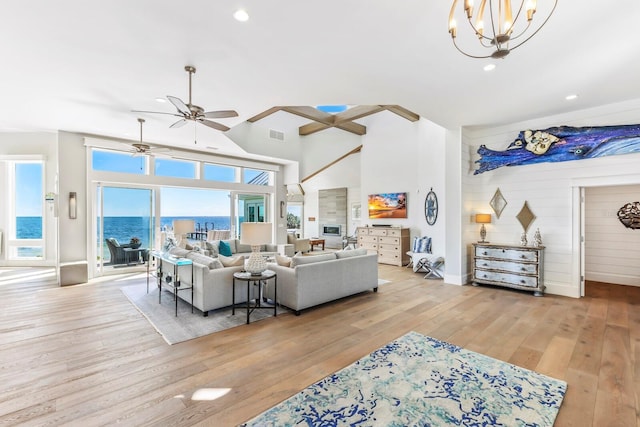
x=343, y=120
x=264, y=114
x=402, y=112
x=314, y=127
x=358, y=112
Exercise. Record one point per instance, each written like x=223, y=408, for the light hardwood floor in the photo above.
x=83, y=355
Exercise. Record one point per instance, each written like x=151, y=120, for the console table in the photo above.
x=257, y=280
x=518, y=267
x=171, y=264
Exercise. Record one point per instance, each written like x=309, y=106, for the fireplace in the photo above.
x=331, y=230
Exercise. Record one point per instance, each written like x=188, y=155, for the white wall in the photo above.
x=549, y=188
x=612, y=251
x=73, y=177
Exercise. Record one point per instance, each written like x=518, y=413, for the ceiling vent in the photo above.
x=275, y=134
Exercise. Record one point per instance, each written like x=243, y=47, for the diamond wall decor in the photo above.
x=525, y=216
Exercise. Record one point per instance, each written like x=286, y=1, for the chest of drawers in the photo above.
x=518, y=267
x=391, y=243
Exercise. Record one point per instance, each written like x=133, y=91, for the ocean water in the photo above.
x=123, y=228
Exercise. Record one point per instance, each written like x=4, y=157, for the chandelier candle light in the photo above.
x=483, y=219
x=500, y=28
x=255, y=234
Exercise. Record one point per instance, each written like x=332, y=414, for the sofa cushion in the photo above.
x=242, y=248
x=350, y=253
x=231, y=261
x=225, y=248
x=300, y=260
x=179, y=252
x=204, y=260
x=282, y=260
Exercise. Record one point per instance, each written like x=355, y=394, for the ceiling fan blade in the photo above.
x=179, y=123
x=180, y=105
x=156, y=112
x=221, y=114
x=214, y=125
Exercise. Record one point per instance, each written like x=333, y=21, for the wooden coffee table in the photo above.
x=318, y=242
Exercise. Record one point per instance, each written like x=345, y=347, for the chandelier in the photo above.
x=499, y=29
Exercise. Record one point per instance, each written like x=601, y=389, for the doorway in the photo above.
x=125, y=216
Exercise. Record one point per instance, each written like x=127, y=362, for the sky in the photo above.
x=136, y=202
x=29, y=195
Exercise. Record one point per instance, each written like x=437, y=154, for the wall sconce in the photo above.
x=483, y=219
x=73, y=205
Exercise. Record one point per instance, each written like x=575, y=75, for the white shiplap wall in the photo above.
x=549, y=188
x=612, y=251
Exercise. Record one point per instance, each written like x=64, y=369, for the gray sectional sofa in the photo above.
x=312, y=280
x=318, y=279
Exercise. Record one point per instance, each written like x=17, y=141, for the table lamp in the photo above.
x=255, y=234
x=483, y=219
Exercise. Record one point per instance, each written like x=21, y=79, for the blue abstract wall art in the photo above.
x=562, y=144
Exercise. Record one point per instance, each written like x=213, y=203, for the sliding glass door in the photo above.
x=125, y=219
x=248, y=208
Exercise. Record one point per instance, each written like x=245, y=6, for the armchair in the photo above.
x=118, y=253
x=299, y=245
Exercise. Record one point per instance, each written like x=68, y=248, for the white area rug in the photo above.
x=186, y=325
x=421, y=381
x=383, y=281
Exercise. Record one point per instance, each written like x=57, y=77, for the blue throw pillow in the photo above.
x=422, y=245
x=224, y=248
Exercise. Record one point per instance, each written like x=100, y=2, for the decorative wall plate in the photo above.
x=498, y=203
x=629, y=215
x=431, y=207
x=525, y=216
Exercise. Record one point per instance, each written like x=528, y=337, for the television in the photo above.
x=387, y=205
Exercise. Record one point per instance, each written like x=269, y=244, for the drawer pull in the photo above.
x=484, y=253
x=484, y=275
x=523, y=256
x=523, y=269
x=523, y=282
x=485, y=264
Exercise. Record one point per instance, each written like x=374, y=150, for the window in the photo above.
x=175, y=168
x=26, y=239
x=219, y=173
x=111, y=161
x=256, y=177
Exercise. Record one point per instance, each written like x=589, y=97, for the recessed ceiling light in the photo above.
x=489, y=67
x=161, y=100
x=241, y=15
x=571, y=97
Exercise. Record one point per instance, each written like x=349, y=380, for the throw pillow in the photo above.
x=422, y=245
x=224, y=248
x=212, y=247
x=282, y=260
x=300, y=260
x=231, y=261
x=347, y=254
x=203, y=259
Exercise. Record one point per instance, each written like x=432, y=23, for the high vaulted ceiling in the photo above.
x=82, y=66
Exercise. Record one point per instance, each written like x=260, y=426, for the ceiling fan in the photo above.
x=141, y=149
x=189, y=111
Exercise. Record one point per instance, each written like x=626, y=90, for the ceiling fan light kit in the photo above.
x=191, y=112
x=500, y=30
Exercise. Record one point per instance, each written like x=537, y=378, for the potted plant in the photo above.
x=134, y=243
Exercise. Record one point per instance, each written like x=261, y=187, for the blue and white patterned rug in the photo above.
x=421, y=381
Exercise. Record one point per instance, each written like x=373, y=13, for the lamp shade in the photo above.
x=255, y=233
x=483, y=218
